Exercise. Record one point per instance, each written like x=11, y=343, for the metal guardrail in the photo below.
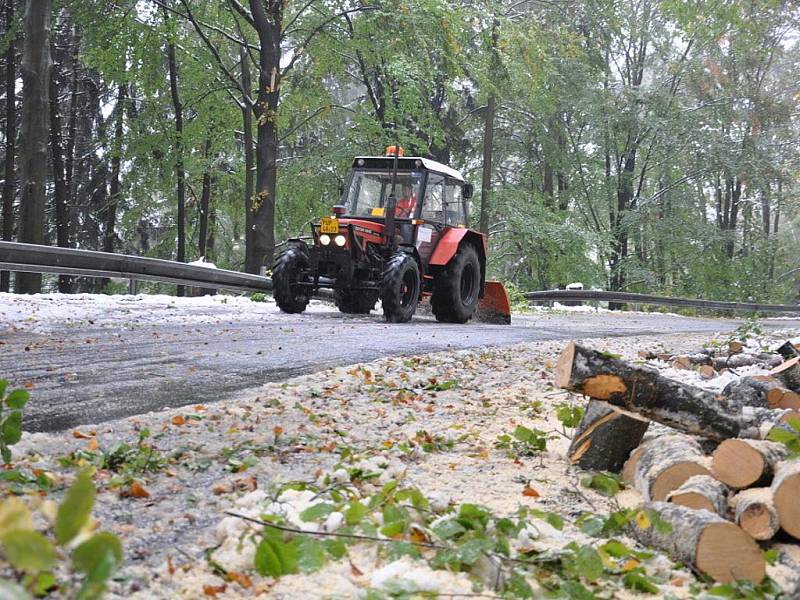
x=32, y=258
x=630, y=298
x=16, y=256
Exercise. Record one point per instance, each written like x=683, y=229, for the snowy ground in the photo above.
x=42, y=313
x=428, y=422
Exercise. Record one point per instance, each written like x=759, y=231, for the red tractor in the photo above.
x=398, y=235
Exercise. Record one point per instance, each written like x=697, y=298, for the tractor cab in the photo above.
x=398, y=234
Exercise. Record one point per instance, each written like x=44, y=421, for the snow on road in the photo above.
x=42, y=313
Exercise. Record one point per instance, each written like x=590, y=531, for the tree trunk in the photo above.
x=702, y=492
x=745, y=463
x=180, y=174
x=10, y=183
x=605, y=438
x=488, y=140
x=697, y=537
x=33, y=155
x=251, y=264
x=267, y=21
x=115, y=187
x=205, y=200
x=488, y=147
x=60, y=192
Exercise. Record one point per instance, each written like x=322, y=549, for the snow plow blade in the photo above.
x=494, y=307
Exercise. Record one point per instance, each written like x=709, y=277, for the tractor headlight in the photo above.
x=324, y=239
x=340, y=241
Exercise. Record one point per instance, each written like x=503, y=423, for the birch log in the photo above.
x=760, y=391
x=754, y=511
x=665, y=463
x=713, y=545
x=644, y=391
x=759, y=422
x=702, y=492
x=789, y=374
x=605, y=437
x=786, y=493
x=745, y=463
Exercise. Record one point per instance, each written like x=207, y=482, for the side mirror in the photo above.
x=469, y=189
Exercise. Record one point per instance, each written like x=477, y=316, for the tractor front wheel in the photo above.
x=354, y=302
x=400, y=288
x=456, y=289
x=290, y=267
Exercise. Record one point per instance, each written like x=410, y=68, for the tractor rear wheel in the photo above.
x=290, y=267
x=400, y=288
x=456, y=289
x=354, y=302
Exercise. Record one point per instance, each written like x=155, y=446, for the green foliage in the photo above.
x=11, y=404
x=523, y=442
x=569, y=415
x=608, y=484
x=38, y=556
x=258, y=297
x=787, y=438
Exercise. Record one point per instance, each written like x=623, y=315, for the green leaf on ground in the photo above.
x=74, y=511
x=29, y=550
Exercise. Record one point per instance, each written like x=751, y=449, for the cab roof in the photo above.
x=408, y=163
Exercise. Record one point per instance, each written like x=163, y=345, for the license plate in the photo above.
x=329, y=225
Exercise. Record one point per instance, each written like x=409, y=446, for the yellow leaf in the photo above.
x=642, y=520
x=14, y=515
x=630, y=564
x=92, y=445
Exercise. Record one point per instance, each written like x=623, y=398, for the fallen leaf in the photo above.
x=199, y=408
x=678, y=582
x=355, y=570
x=170, y=566
x=221, y=487
x=240, y=578
x=178, y=420
x=80, y=435
x=642, y=520
x=277, y=430
x=530, y=492
x=28, y=385
x=213, y=590
x=92, y=445
x=137, y=490
x=246, y=484
x=630, y=564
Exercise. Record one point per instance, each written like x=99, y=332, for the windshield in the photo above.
x=369, y=192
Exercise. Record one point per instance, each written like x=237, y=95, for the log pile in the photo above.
x=716, y=478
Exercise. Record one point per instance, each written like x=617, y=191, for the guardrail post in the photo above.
x=132, y=286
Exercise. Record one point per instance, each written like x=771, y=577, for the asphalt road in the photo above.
x=93, y=370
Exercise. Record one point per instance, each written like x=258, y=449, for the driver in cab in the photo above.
x=406, y=203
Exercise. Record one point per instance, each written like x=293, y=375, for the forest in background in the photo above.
x=641, y=145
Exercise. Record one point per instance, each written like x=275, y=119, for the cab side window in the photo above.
x=455, y=208
x=433, y=207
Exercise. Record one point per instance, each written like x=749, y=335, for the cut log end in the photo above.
x=564, y=366
x=728, y=553
x=692, y=500
x=757, y=521
x=674, y=477
x=786, y=491
x=737, y=464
